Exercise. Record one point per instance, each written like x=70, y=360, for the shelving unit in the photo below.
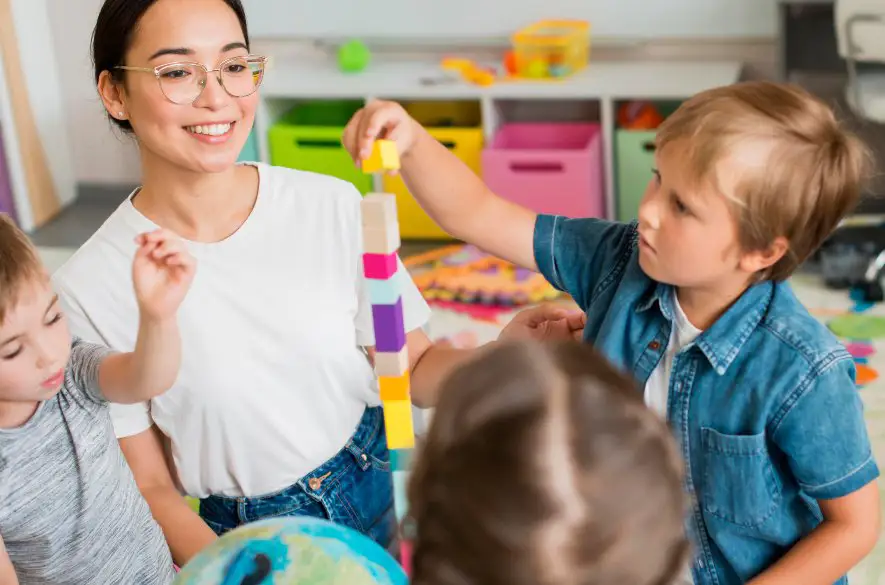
x=588, y=96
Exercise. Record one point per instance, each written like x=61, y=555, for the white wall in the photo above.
x=100, y=155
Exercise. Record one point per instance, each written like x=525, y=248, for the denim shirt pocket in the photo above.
x=739, y=482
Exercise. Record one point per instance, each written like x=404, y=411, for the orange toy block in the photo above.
x=395, y=387
x=378, y=210
x=389, y=363
x=384, y=157
x=398, y=423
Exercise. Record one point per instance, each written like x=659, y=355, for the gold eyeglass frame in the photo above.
x=156, y=71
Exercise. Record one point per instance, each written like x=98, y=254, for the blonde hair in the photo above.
x=812, y=177
x=20, y=265
x=542, y=466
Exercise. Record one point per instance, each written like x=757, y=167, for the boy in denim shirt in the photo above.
x=692, y=300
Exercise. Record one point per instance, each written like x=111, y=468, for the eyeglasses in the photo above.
x=183, y=82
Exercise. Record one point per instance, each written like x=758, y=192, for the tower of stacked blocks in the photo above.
x=381, y=243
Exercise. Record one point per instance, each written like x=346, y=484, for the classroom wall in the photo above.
x=100, y=154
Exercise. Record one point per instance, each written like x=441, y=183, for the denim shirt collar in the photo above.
x=722, y=342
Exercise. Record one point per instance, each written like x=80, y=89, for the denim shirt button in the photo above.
x=654, y=345
x=363, y=457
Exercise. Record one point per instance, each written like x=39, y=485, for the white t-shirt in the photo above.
x=657, y=388
x=274, y=380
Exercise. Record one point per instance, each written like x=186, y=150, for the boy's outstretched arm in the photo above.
x=7, y=571
x=848, y=533
x=162, y=273
x=450, y=193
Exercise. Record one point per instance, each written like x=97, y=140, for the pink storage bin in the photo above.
x=553, y=168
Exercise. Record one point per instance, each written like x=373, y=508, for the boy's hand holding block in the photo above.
x=384, y=157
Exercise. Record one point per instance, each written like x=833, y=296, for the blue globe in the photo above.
x=290, y=551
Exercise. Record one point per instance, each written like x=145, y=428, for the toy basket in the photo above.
x=551, y=48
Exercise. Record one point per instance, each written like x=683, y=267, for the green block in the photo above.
x=400, y=497
x=401, y=459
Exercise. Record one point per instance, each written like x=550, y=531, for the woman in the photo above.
x=274, y=411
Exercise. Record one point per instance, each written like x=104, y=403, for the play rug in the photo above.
x=462, y=278
x=860, y=326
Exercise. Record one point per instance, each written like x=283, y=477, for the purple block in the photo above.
x=390, y=333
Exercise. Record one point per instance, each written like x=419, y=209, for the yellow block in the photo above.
x=398, y=422
x=394, y=387
x=384, y=157
x=414, y=223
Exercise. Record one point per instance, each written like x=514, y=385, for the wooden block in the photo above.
x=384, y=157
x=379, y=266
x=400, y=494
x=381, y=240
x=392, y=363
x=386, y=291
x=401, y=459
x=395, y=387
x=390, y=335
x=378, y=209
x=398, y=424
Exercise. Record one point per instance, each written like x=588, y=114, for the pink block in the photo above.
x=405, y=551
x=379, y=266
x=548, y=168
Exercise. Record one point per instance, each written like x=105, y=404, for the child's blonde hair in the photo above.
x=542, y=466
x=20, y=264
x=814, y=173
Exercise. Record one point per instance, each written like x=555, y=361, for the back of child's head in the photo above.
x=800, y=171
x=542, y=466
x=20, y=265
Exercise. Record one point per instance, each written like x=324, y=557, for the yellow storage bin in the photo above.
x=457, y=126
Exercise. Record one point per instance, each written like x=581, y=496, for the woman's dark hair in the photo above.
x=542, y=466
x=112, y=37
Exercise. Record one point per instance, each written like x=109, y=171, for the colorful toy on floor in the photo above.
x=381, y=242
x=464, y=274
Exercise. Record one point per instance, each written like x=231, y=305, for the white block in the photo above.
x=381, y=240
x=378, y=209
x=392, y=364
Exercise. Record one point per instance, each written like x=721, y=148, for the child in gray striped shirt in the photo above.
x=70, y=511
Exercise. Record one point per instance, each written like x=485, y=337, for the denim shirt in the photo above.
x=763, y=403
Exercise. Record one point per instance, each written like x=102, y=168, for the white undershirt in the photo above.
x=657, y=388
x=273, y=381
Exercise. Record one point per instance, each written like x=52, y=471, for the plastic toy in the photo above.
x=639, y=115
x=381, y=269
x=353, y=56
x=470, y=71
x=551, y=49
x=384, y=157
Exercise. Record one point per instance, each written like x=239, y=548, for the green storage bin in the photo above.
x=634, y=159
x=308, y=138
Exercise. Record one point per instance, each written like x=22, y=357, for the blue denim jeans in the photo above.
x=354, y=488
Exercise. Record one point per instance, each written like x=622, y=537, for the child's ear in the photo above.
x=753, y=262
